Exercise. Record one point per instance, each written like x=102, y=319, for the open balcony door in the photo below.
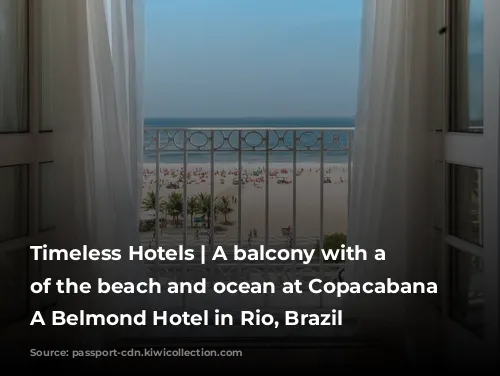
x=470, y=167
x=25, y=160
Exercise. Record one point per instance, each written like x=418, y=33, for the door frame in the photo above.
x=31, y=147
x=480, y=151
x=491, y=163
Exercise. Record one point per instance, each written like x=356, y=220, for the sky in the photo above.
x=252, y=58
x=263, y=58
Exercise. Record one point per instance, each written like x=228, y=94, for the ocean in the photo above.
x=226, y=146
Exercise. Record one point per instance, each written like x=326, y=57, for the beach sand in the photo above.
x=253, y=197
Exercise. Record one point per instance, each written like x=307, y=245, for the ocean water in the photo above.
x=306, y=135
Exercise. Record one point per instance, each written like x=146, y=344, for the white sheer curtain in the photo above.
x=393, y=157
x=92, y=97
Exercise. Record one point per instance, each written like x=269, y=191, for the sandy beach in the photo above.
x=253, y=197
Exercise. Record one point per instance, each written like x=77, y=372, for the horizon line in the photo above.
x=250, y=117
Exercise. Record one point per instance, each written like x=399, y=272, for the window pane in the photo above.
x=13, y=285
x=13, y=202
x=434, y=270
x=476, y=63
x=47, y=199
x=465, y=203
x=47, y=76
x=438, y=195
x=467, y=299
x=467, y=66
x=13, y=66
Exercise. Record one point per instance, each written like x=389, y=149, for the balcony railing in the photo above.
x=275, y=187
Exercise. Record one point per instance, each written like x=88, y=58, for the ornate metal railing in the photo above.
x=275, y=187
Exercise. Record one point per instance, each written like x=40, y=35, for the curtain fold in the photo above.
x=92, y=73
x=393, y=159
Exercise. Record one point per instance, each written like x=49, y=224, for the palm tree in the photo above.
x=149, y=202
x=193, y=207
x=174, y=206
x=205, y=202
x=224, y=207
